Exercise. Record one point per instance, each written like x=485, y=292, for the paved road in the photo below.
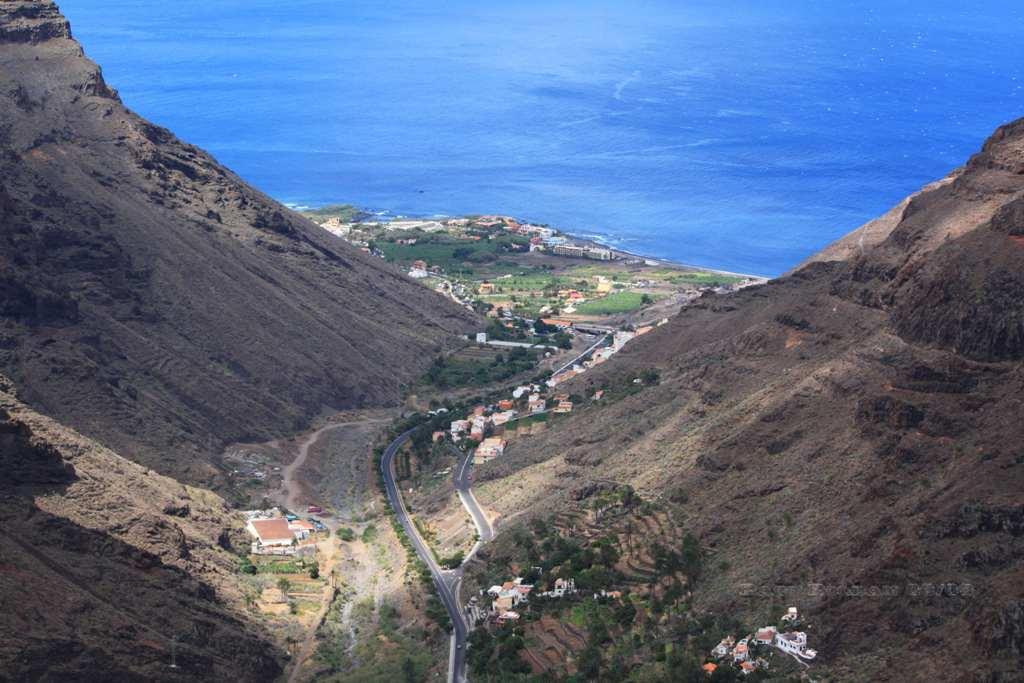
x=602, y=340
x=446, y=581
x=463, y=483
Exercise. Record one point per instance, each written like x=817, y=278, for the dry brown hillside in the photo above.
x=108, y=569
x=153, y=300
x=856, y=424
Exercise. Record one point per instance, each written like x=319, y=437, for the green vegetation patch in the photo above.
x=619, y=302
x=450, y=253
x=705, y=279
x=461, y=372
x=345, y=212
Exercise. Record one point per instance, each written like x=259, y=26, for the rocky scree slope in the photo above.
x=856, y=424
x=153, y=300
x=108, y=569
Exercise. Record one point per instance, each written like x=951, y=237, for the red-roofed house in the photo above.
x=270, y=533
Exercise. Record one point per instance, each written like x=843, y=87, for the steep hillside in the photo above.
x=852, y=428
x=110, y=571
x=154, y=301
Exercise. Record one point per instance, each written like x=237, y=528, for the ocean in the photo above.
x=742, y=136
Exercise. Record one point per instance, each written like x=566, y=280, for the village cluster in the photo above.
x=486, y=425
x=504, y=599
x=740, y=653
x=277, y=533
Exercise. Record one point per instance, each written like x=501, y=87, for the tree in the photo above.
x=284, y=585
x=409, y=670
x=541, y=327
x=314, y=572
x=589, y=662
x=646, y=299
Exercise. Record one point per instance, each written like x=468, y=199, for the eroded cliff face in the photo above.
x=106, y=566
x=855, y=424
x=152, y=299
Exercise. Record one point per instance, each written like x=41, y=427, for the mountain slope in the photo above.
x=153, y=300
x=108, y=570
x=853, y=426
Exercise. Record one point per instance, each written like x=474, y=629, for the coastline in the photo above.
x=660, y=261
x=385, y=215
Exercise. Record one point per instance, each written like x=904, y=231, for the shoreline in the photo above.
x=661, y=261
x=385, y=216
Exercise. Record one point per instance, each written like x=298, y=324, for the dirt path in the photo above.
x=355, y=564
x=309, y=642
x=290, y=491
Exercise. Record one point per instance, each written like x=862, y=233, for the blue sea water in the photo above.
x=733, y=134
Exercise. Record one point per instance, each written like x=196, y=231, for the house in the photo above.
x=794, y=643
x=537, y=404
x=709, y=668
x=459, y=427
x=270, y=534
x=481, y=337
x=485, y=288
x=599, y=394
x=509, y=595
x=790, y=615
x=498, y=419
x=604, y=285
x=478, y=411
x=505, y=404
x=560, y=323
x=502, y=604
x=741, y=652
x=747, y=668
x=519, y=392
x=418, y=274
x=562, y=587
x=419, y=264
x=564, y=407
x=301, y=528
x=437, y=436
x=507, y=616
x=489, y=449
x=724, y=647
x=765, y=636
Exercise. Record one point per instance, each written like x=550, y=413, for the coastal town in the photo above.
x=500, y=266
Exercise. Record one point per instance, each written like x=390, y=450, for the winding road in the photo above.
x=447, y=581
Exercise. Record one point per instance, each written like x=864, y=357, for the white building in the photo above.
x=489, y=449
x=271, y=535
x=561, y=588
x=724, y=647
x=503, y=417
x=459, y=427
x=794, y=643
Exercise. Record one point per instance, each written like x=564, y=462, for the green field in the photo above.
x=705, y=279
x=450, y=253
x=620, y=302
